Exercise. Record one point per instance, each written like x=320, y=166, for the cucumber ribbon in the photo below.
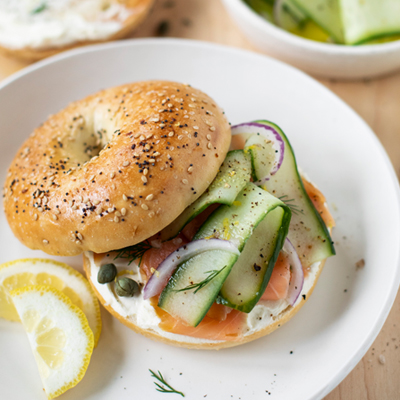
x=232, y=177
x=208, y=272
x=231, y=257
x=160, y=277
x=263, y=154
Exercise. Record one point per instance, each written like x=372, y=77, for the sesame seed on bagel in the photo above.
x=113, y=169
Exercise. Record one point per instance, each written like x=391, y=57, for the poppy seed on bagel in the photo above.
x=114, y=168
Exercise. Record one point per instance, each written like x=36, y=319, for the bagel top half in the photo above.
x=35, y=29
x=113, y=169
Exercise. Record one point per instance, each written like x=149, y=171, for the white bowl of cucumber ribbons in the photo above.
x=357, y=39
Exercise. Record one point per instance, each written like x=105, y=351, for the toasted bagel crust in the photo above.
x=113, y=169
x=283, y=317
x=139, y=10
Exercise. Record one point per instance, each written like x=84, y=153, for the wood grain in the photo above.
x=377, y=101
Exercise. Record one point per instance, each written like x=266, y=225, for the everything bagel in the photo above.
x=113, y=169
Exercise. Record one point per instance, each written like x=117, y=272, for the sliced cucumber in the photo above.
x=191, y=306
x=234, y=174
x=308, y=232
x=263, y=160
x=326, y=14
x=366, y=20
x=250, y=275
x=262, y=7
x=194, y=286
x=288, y=15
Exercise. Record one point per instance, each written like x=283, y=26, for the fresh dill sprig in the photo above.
x=213, y=273
x=40, y=8
x=134, y=252
x=289, y=202
x=163, y=389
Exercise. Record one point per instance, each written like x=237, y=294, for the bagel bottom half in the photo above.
x=139, y=315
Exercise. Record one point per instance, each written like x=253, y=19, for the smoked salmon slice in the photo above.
x=319, y=201
x=278, y=284
x=155, y=256
x=224, y=323
x=220, y=323
x=230, y=329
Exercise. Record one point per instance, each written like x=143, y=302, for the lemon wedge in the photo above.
x=59, y=335
x=37, y=271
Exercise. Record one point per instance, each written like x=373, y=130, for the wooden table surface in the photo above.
x=377, y=101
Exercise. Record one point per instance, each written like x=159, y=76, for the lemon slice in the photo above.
x=36, y=271
x=59, y=335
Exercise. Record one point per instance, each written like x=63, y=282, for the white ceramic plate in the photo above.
x=336, y=149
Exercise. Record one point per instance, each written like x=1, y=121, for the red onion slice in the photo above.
x=160, y=277
x=297, y=277
x=270, y=134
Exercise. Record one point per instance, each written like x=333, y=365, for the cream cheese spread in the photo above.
x=142, y=313
x=56, y=23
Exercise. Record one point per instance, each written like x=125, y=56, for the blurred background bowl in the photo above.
x=321, y=59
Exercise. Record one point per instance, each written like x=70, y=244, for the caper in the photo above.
x=107, y=273
x=126, y=287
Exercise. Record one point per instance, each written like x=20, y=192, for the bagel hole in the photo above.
x=91, y=147
x=87, y=142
